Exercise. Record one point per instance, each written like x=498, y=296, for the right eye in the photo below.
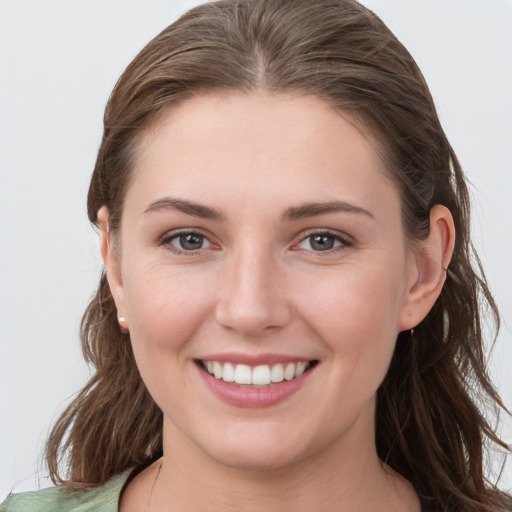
x=186, y=242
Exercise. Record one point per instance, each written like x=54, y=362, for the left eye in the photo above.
x=189, y=242
x=321, y=242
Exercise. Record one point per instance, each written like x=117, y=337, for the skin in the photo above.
x=258, y=285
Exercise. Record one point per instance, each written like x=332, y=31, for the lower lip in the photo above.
x=254, y=398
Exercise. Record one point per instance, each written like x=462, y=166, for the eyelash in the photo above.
x=167, y=240
x=343, y=241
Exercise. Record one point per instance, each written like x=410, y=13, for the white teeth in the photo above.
x=277, y=373
x=261, y=375
x=229, y=373
x=301, y=368
x=217, y=370
x=243, y=374
x=289, y=371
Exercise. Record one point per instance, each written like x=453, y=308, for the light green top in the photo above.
x=59, y=499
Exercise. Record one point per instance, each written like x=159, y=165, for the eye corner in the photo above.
x=323, y=242
x=187, y=242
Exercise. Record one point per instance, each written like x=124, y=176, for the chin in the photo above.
x=259, y=447
x=256, y=458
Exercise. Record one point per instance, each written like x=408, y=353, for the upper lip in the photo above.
x=254, y=359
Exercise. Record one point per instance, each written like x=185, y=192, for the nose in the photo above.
x=252, y=295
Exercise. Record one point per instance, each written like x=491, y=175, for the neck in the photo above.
x=346, y=477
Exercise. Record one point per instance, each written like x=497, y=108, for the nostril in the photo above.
x=253, y=319
x=251, y=299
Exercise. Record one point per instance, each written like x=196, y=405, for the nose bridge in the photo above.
x=252, y=297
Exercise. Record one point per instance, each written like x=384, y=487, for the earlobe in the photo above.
x=431, y=259
x=112, y=264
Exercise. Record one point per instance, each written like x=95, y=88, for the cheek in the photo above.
x=166, y=307
x=159, y=296
x=356, y=296
x=355, y=314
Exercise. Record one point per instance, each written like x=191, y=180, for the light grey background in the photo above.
x=59, y=59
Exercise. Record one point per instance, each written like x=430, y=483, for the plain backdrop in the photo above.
x=59, y=60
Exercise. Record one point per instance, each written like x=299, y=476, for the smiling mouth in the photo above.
x=255, y=376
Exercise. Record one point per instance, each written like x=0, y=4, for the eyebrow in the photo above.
x=188, y=207
x=295, y=213
x=313, y=209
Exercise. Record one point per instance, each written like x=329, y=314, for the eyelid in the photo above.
x=169, y=236
x=344, y=239
x=166, y=239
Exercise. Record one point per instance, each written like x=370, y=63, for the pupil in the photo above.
x=322, y=242
x=191, y=241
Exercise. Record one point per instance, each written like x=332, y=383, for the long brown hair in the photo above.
x=429, y=423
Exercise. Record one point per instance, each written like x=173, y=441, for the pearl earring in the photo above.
x=122, y=323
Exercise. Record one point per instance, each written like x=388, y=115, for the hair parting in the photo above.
x=430, y=422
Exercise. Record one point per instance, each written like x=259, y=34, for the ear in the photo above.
x=112, y=262
x=427, y=274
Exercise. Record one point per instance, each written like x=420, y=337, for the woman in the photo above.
x=289, y=312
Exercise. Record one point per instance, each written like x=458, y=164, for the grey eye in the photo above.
x=322, y=242
x=189, y=241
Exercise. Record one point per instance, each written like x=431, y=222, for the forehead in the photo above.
x=221, y=145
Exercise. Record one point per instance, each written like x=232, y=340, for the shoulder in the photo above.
x=60, y=499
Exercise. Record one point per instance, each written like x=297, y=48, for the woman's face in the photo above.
x=261, y=237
